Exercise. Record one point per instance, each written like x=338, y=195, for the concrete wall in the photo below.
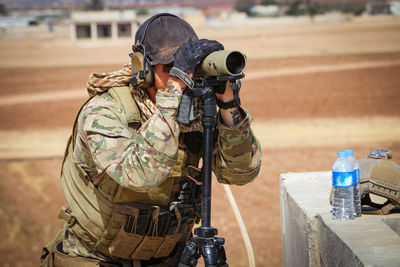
x=311, y=238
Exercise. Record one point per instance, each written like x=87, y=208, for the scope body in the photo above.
x=222, y=63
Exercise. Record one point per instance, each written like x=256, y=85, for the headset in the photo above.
x=143, y=73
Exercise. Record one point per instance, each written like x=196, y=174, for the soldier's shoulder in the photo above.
x=102, y=114
x=102, y=104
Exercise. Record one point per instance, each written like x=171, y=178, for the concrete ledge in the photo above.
x=311, y=238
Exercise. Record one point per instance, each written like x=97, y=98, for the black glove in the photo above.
x=191, y=54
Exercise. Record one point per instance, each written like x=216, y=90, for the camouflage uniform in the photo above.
x=105, y=144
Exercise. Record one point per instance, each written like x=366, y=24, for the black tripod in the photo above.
x=205, y=243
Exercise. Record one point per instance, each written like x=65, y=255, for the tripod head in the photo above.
x=204, y=88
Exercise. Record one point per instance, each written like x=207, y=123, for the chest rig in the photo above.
x=116, y=222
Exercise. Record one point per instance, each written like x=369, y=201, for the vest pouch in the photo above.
x=151, y=242
x=127, y=237
x=167, y=245
x=124, y=244
x=147, y=248
x=173, y=234
x=47, y=256
x=65, y=260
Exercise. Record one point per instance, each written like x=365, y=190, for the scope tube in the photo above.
x=222, y=63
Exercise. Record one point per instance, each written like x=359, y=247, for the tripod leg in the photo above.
x=210, y=254
x=214, y=254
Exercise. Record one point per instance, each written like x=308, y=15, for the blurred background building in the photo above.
x=112, y=24
x=33, y=12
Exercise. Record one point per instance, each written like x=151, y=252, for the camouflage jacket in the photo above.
x=142, y=160
x=105, y=143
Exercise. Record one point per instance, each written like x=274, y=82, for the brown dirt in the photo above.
x=356, y=92
x=29, y=189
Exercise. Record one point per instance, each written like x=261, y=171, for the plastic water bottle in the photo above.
x=356, y=181
x=342, y=188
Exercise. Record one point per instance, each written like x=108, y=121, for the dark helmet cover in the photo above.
x=164, y=35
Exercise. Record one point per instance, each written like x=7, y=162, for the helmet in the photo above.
x=379, y=175
x=156, y=41
x=160, y=36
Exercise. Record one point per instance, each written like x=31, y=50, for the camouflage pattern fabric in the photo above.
x=73, y=246
x=142, y=160
x=105, y=145
x=237, y=156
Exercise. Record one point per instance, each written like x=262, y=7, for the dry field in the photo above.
x=314, y=88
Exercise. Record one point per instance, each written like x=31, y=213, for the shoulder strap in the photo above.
x=75, y=127
x=124, y=97
x=72, y=138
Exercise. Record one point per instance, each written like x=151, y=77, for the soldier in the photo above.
x=128, y=158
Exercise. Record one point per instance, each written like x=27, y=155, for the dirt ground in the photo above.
x=313, y=89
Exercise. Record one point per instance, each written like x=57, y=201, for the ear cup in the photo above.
x=143, y=73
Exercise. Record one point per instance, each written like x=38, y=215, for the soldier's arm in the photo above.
x=237, y=154
x=138, y=161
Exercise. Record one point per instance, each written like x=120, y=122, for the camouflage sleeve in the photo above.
x=137, y=161
x=237, y=156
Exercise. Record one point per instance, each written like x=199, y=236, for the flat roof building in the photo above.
x=103, y=24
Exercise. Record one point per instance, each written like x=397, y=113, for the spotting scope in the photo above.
x=222, y=63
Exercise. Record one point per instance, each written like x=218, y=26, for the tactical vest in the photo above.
x=122, y=223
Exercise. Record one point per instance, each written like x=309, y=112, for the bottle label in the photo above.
x=342, y=179
x=356, y=176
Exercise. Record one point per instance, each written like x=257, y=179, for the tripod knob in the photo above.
x=190, y=255
x=205, y=231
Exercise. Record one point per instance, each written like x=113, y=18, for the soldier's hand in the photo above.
x=228, y=93
x=191, y=54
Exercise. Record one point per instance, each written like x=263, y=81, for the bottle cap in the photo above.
x=349, y=152
x=341, y=154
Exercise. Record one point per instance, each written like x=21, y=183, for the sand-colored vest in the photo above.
x=116, y=221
